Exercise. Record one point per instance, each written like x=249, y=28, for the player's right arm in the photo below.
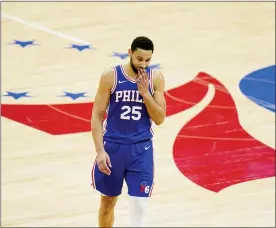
x=98, y=114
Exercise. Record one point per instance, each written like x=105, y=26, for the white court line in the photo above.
x=39, y=27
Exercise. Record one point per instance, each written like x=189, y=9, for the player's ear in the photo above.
x=130, y=53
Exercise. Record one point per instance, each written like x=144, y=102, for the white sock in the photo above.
x=138, y=210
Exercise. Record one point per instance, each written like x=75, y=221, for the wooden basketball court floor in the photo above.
x=46, y=178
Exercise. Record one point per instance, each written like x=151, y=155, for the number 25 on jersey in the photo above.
x=131, y=112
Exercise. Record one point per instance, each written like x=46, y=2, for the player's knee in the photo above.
x=108, y=203
x=139, y=204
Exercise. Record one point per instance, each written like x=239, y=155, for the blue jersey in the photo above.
x=127, y=118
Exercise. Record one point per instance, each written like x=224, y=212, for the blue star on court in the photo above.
x=74, y=96
x=24, y=43
x=81, y=47
x=120, y=55
x=16, y=96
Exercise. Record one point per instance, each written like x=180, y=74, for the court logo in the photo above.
x=259, y=87
x=24, y=44
x=212, y=149
x=80, y=47
x=16, y=96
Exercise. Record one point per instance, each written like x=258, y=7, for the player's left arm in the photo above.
x=156, y=104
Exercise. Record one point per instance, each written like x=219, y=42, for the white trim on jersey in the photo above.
x=151, y=130
x=151, y=81
x=104, y=125
x=105, y=121
x=126, y=76
x=115, y=80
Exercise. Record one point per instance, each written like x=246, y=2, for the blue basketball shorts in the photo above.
x=132, y=163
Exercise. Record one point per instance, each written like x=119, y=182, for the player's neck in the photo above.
x=129, y=71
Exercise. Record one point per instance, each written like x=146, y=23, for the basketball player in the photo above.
x=132, y=94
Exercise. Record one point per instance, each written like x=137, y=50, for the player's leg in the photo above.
x=110, y=186
x=106, y=211
x=139, y=179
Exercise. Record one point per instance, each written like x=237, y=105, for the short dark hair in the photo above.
x=142, y=42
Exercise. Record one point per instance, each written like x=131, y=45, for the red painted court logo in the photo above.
x=227, y=155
